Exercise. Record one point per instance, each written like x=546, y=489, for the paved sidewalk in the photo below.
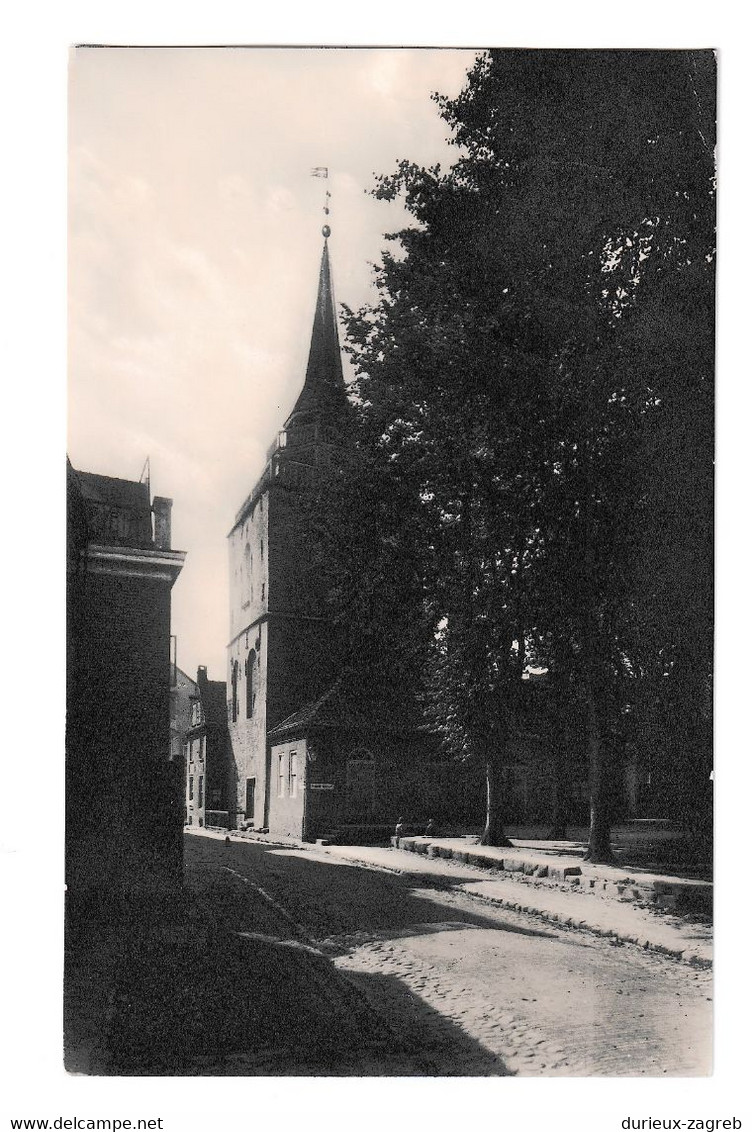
x=595, y=910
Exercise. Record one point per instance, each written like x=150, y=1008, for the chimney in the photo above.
x=161, y=508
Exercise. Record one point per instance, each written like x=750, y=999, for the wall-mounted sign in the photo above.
x=322, y=786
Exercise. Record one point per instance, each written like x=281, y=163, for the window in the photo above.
x=200, y=791
x=196, y=713
x=234, y=701
x=250, y=684
x=293, y=776
x=280, y=776
x=190, y=788
x=246, y=576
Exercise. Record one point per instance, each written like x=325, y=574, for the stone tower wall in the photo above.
x=249, y=574
x=249, y=590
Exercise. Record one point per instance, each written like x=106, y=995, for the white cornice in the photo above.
x=132, y=562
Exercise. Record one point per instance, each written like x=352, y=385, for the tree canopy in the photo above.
x=535, y=398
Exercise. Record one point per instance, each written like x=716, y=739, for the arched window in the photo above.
x=247, y=579
x=250, y=684
x=234, y=683
x=361, y=753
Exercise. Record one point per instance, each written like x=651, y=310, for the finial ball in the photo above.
x=326, y=231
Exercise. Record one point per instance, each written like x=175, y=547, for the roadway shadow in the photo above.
x=327, y=900
x=183, y=992
x=190, y=998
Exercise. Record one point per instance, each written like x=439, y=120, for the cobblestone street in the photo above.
x=451, y=985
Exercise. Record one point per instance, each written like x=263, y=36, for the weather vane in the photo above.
x=323, y=171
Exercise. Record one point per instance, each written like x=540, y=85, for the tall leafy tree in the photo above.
x=509, y=373
x=454, y=420
x=608, y=156
x=365, y=543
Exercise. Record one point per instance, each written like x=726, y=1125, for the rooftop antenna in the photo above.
x=145, y=476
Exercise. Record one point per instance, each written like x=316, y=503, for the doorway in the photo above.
x=361, y=788
x=250, y=798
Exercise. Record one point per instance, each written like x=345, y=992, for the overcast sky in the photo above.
x=195, y=238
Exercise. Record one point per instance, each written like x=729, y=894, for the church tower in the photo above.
x=278, y=631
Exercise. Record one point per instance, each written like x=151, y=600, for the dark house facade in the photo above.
x=123, y=794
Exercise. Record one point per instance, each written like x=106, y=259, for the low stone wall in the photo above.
x=673, y=894
x=482, y=859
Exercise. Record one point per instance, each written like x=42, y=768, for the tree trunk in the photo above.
x=599, y=844
x=494, y=833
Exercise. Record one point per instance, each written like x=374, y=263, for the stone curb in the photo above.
x=639, y=939
x=667, y=893
x=684, y=953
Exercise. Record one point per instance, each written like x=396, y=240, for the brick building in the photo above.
x=123, y=795
x=206, y=754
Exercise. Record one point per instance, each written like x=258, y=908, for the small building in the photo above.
x=346, y=769
x=123, y=827
x=206, y=755
x=183, y=691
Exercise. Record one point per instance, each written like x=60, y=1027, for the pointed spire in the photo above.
x=324, y=382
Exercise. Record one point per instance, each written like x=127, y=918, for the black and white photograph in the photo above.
x=390, y=505
x=376, y=730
